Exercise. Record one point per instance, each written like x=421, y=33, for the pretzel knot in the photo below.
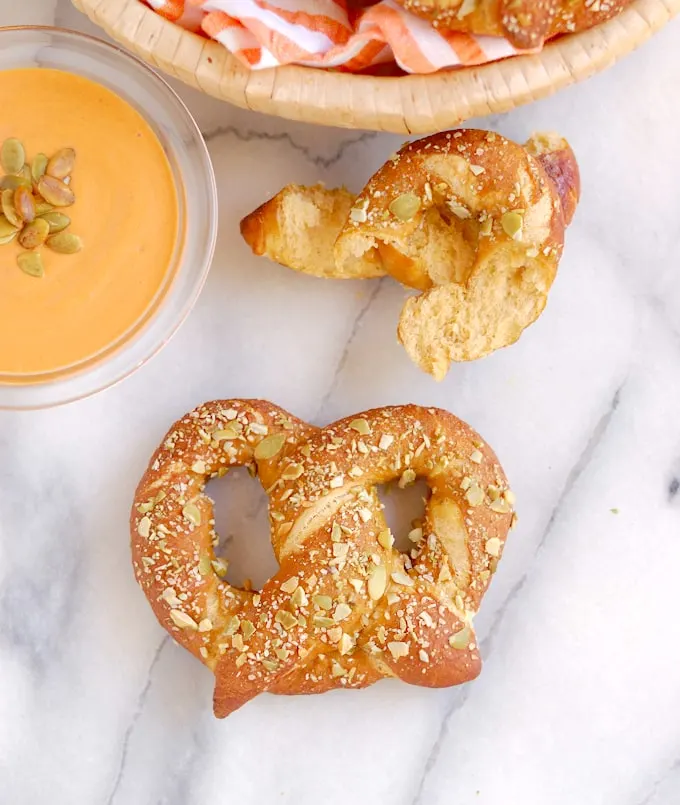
x=345, y=608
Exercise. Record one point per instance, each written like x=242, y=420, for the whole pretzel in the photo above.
x=345, y=607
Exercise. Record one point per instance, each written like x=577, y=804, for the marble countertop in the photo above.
x=579, y=697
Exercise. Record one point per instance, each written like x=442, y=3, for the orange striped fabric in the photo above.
x=326, y=33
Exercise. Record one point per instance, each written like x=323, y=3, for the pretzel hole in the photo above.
x=242, y=524
x=403, y=508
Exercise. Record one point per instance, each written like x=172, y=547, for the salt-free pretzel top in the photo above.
x=473, y=220
x=524, y=23
x=345, y=607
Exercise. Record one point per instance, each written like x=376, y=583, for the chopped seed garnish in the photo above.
x=299, y=598
x=182, y=620
x=346, y=644
x=426, y=618
x=220, y=566
x=512, y=223
x=398, y=577
x=192, y=513
x=407, y=478
x=270, y=446
x=475, y=495
x=290, y=585
x=170, y=597
x=360, y=426
x=337, y=669
x=340, y=550
x=232, y=626
x=286, y=619
x=227, y=435
x=386, y=539
x=335, y=634
x=459, y=210
x=493, y=546
x=461, y=639
x=415, y=535
x=398, y=649
x=323, y=601
x=342, y=611
x=292, y=472
x=377, y=582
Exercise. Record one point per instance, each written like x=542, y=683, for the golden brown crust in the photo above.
x=345, y=608
x=559, y=162
x=526, y=24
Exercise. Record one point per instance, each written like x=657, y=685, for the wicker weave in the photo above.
x=405, y=104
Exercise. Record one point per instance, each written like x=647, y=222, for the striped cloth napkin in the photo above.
x=331, y=33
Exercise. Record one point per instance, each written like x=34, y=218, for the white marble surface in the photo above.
x=579, y=698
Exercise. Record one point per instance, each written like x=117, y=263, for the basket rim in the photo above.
x=446, y=98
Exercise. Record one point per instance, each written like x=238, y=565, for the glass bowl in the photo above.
x=192, y=171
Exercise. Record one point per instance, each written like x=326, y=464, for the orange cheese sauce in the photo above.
x=126, y=213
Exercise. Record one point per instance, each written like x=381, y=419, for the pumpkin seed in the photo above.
x=7, y=230
x=460, y=640
x=61, y=164
x=8, y=238
x=405, y=207
x=512, y=223
x=12, y=156
x=270, y=446
x=55, y=192
x=13, y=182
x=7, y=202
x=31, y=263
x=64, y=242
x=34, y=234
x=38, y=167
x=42, y=207
x=57, y=221
x=24, y=204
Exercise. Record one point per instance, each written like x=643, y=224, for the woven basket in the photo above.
x=404, y=104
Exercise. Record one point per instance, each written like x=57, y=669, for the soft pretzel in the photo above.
x=345, y=607
x=472, y=219
x=524, y=23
